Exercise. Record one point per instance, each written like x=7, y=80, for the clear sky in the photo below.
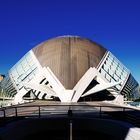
x=115, y=24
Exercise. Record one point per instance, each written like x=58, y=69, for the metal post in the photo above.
x=4, y=114
x=39, y=111
x=2, y=96
x=16, y=111
x=124, y=117
x=123, y=109
x=70, y=111
x=100, y=112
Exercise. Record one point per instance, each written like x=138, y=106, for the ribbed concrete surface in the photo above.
x=69, y=57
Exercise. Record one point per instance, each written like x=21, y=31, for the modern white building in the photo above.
x=70, y=69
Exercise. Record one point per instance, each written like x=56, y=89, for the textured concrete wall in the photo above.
x=69, y=57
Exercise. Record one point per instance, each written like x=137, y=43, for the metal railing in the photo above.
x=88, y=111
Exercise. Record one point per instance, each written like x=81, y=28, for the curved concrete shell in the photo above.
x=69, y=57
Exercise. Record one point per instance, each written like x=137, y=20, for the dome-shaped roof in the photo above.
x=69, y=57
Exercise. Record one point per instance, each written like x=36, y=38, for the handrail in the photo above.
x=70, y=105
x=43, y=110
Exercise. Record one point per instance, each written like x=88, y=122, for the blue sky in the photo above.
x=115, y=24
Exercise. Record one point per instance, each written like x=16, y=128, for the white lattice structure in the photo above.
x=55, y=89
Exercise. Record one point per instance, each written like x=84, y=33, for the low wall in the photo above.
x=59, y=128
